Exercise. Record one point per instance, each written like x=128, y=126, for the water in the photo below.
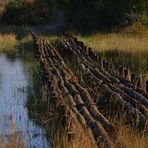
x=15, y=125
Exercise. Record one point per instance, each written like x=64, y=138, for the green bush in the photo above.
x=29, y=12
x=86, y=14
x=81, y=14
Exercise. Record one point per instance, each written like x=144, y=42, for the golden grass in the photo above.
x=82, y=139
x=7, y=42
x=14, y=142
x=126, y=40
x=127, y=138
x=13, y=139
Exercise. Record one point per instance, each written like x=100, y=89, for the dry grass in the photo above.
x=7, y=42
x=125, y=40
x=13, y=139
x=82, y=139
x=127, y=138
x=14, y=142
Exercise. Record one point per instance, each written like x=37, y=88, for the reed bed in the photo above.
x=125, y=42
x=7, y=42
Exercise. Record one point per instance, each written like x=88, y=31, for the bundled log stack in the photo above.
x=73, y=102
x=121, y=89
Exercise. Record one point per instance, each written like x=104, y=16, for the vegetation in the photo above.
x=29, y=12
x=7, y=42
x=95, y=14
x=104, y=13
x=130, y=39
x=10, y=44
x=127, y=47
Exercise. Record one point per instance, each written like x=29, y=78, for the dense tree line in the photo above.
x=81, y=14
x=86, y=14
x=29, y=11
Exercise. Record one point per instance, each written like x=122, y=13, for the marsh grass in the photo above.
x=14, y=142
x=126, y=42
x=8, y=42
x=127, y=47
x=127, y=136
x=13, y=47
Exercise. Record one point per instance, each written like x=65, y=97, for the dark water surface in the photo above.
x=15, y=124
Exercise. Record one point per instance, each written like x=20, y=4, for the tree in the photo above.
x=86, y=14
x=30, y=11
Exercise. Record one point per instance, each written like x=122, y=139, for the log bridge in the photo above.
x=78, y=104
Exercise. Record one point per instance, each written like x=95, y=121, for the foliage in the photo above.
x=86, y=14
x=82, y=15
x=29, y=11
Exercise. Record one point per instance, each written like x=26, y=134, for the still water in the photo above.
x=16, y=128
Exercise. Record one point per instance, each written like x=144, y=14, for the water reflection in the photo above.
x=15, y=125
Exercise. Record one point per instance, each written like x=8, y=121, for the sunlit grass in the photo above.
x=127, y=138
x=129, y=41
x=128, y=47
x=10, y=44
x=7, y=42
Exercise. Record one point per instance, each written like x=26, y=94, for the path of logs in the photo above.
x=76, y=104
x=73, y=102
x=125, y=92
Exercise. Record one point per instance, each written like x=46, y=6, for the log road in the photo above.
x=76, y=104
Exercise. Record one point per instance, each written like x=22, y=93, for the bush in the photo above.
x=30, y=12
x=83, y=15
x=86, y=14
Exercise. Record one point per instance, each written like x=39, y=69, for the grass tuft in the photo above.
x=8, y=42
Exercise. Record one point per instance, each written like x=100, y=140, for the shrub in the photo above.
x=29, y=12
x=86, y=14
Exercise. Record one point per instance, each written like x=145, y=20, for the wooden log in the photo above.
x=123, y=104
x=135, y=95
x=97, y=128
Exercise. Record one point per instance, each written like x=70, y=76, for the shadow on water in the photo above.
x=136, y=61
x=20, y=90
